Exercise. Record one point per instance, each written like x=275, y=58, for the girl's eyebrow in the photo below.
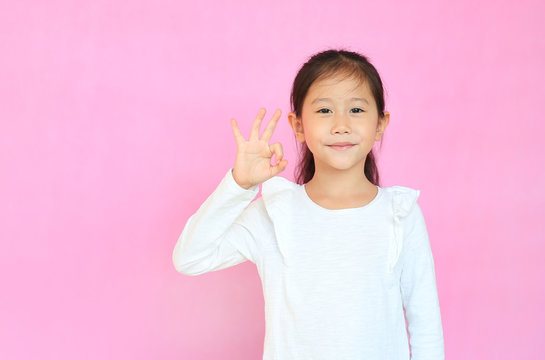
x=351, y=99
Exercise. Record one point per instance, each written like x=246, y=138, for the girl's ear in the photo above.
x=382, y=124
x=297, y=126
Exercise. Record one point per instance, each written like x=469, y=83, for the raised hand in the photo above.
x=253, y=159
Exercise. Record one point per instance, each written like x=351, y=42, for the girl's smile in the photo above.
x=341, y=146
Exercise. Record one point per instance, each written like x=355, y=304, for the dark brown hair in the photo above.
x=322, y=65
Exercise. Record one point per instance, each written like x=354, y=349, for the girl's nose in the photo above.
x=340, y=124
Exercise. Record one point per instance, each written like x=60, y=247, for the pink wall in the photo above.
x=115, y=127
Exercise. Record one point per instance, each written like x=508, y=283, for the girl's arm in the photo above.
x=211, y=239
x=217, y=235
x=419, y=292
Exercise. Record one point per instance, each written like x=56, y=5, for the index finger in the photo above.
x=267, y=134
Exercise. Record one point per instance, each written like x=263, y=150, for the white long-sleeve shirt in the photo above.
x=335, y=282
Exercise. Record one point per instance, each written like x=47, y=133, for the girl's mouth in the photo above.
x=341, y=147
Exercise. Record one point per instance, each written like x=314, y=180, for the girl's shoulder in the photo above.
x=278, y=184
x=277, y=191
x=403, y=199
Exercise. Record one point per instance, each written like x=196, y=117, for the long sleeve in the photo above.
x=419, y=292
x=211, y=239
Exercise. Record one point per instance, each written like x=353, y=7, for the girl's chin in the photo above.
x=341, y=166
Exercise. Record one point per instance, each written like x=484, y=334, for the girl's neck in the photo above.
x=328, y=183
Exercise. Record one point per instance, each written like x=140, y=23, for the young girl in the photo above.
x=340, y=258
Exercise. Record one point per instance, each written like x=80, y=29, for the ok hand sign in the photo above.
x=253, y=159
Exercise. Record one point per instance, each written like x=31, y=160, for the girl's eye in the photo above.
x=324, y=111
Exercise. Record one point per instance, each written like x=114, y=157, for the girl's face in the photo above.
x=339, y=110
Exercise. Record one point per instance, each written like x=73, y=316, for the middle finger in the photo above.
x=267, y=134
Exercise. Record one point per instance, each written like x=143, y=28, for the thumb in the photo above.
x=281, y=166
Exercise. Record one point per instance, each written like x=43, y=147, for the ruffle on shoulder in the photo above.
x=404, y=200
x=278, y=194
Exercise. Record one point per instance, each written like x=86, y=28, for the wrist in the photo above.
x=244, y=186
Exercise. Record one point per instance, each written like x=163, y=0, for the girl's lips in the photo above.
x=341, y=147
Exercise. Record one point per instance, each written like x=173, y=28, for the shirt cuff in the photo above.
x=233, y=186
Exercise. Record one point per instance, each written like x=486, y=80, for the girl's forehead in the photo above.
x=340, y=83
x=339, y=86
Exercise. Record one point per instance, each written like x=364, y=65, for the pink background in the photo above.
x=115, y=128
